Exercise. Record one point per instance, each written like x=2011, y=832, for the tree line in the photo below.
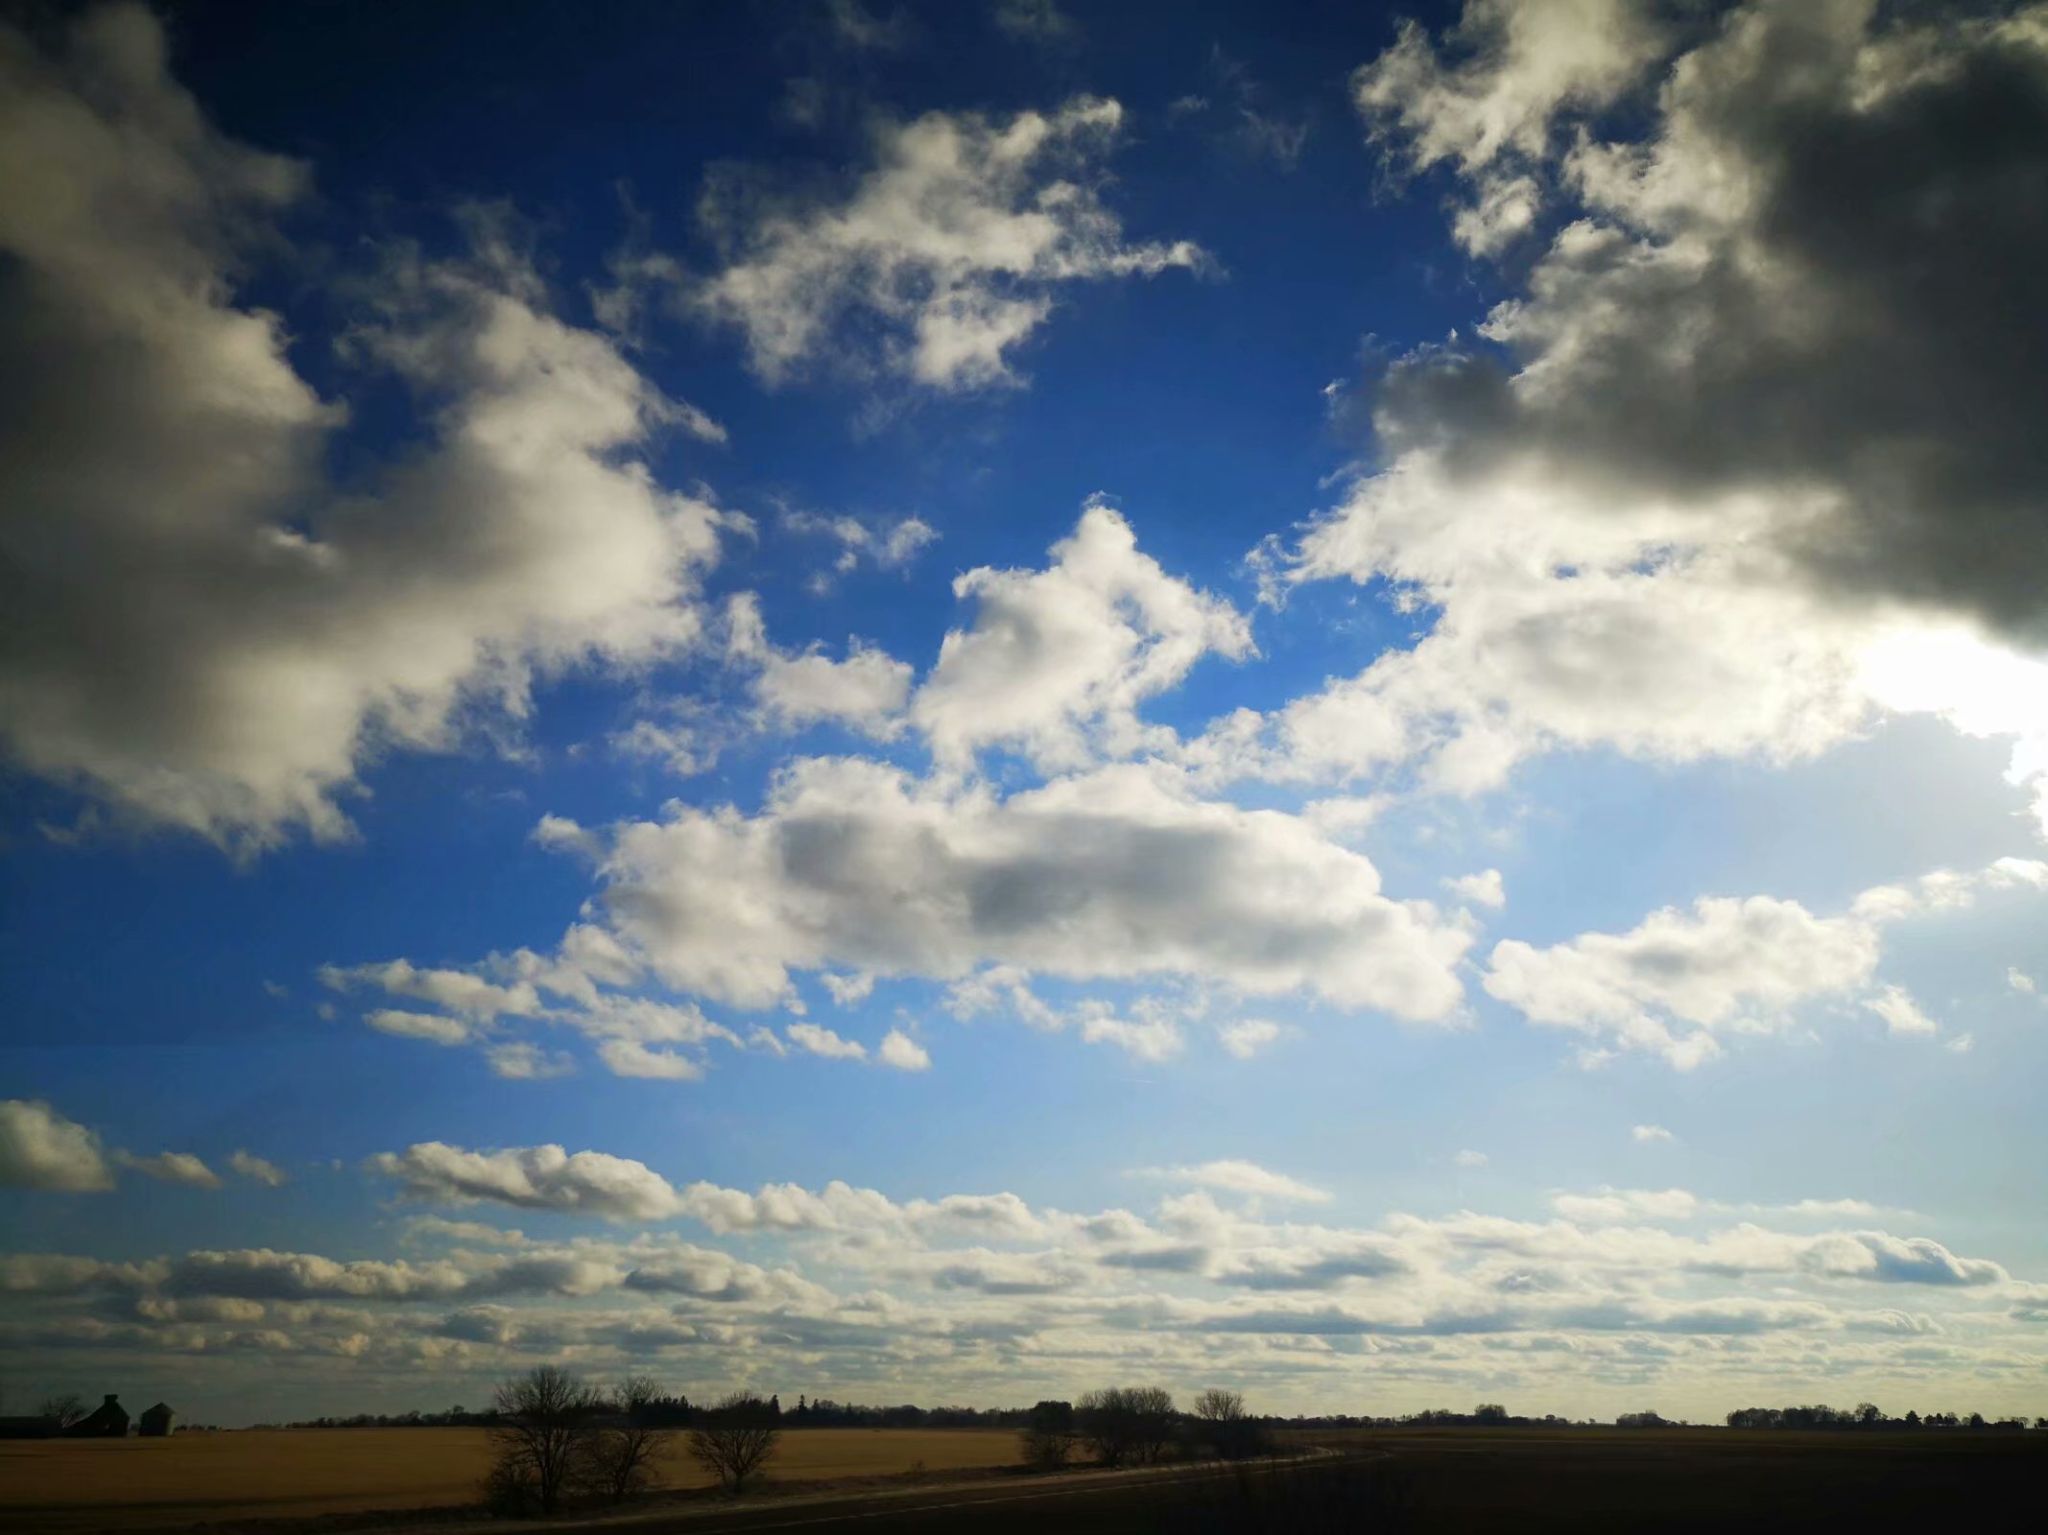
x=1868, y=1415
x=557, y=1439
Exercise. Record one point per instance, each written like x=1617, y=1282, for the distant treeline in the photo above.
x=678, y=1412
x=1868, y=1415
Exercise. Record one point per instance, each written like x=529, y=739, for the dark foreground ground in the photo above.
x=1452, y=1480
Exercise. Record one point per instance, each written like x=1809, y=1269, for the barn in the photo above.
x=107, y=1421
x=158, y=1422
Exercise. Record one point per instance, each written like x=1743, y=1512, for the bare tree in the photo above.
x=1153, y=1419
x=544, y=1419
x=734, y=1439
x=1121, y=1423
x=1048, y=1440
x=619, y=1452
x=1226, y=1425
x=65, y=1409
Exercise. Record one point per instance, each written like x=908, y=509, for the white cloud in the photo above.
x=1117, y=873
x=888, y=545
x=1239, y=1177
x=531, y=1178
x=1246, y=1037
x=179, y=1167
x=1901, y=1014
x=1058, y=660
x=1650, y=1135
x=522, y=1061
x=1521, y=64
x=211, y=636
x=1680, y=980
x=2020, y=981
x=41, y=1149
x=867, y=690
x=902, y=1052
x=949, y=251
x=431, y=1027
x=848, y=990
x=257, y=1169
x=1484, y=888
x=822, y=1041
x=1471, y=1159
x=455, y=991
x=1149, y=1037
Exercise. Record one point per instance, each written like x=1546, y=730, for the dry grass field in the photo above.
x=133, y=1484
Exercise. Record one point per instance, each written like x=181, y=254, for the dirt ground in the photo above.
x=132, y=1484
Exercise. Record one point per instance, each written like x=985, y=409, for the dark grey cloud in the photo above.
x=1819, y=279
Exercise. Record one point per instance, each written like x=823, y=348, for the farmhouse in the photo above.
x=158, y=1422
x=107, y=1421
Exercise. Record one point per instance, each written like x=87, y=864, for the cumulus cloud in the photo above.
x=1678, y=981
x=822, y=1041
x=902, y=1052
x=1633, y=1285
x=1641, y=510
x=940, y=262
x=454, y=991
x=1901, y=1014
x=1513, y=69
x=202, y=631
x=1116, y=873
x=531, y=1178
x=1471, y=1159
x=866, y=691
x=1482, y=889
x=1650, y=1135
x=41, y=1149
x=1058, y=660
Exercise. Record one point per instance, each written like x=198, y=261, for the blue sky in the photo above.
x=918, y=702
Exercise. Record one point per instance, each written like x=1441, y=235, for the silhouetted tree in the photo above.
x=1225, y=1425
x=734, y=1439
x=1047, y=1442
x=544, y=1417
x=65, y=1409
x=1123, y=1423
x=619, y=1453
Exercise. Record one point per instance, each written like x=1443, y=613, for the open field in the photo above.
x=132, y=1484
x=1380, y=1481
x=1696, y=1479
